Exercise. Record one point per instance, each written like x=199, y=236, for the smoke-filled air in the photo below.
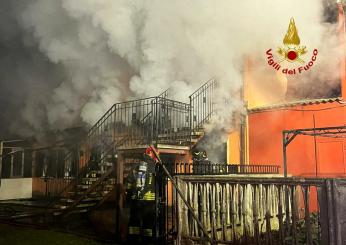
x=65, y=62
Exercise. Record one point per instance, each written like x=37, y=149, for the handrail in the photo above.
x=89, y=190
x=82, y=172
x=164, y=94
x=203, y=121
x=210, y=81
x=114, y=106
x=146, y=116
x=202, y=104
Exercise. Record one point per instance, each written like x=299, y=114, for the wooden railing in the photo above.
x=258, y=210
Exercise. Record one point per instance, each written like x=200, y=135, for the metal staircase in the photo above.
x=154, y=120
x=89, y=193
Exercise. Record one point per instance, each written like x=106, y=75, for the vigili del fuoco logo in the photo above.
x=291, y=52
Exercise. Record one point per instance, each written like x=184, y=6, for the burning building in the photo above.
x=82, y=171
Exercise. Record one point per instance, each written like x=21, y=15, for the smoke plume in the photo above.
x=65, y=62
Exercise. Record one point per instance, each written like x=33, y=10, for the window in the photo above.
x=16, y=162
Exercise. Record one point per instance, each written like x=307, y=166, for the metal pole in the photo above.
x=190, y=119
x=315, y=144
x=284, y=145
x=205, y=233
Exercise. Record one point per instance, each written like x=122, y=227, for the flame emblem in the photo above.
x=292, y=51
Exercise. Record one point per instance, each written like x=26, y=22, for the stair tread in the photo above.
x=90, y=199
x=84, y=186
x=84, y=210
x=92, y=194
x=90, y=178
x=66, y=200
x=197, y=133
x=84, y=205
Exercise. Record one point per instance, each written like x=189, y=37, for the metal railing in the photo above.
x=205, y=168
x=141, y=122
x=244, y=210
x=202, y=104
x=171, y=122
x=125, y=125
x=130, y=119
x=137, y=123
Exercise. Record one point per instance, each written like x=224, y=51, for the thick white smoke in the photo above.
x=113, y=50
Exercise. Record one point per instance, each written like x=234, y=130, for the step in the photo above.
x=109, y=187
x=89, y=179
x=56, y=213
x=107, y=164
x=93, y=174
x=60, y=206
x=193, y=140
x=79, y=206
x=66, y=200
x=85, y=205
x=76, y=211
x=92, y=199
x=105, y=192
x=69, y=178
x=76, y=193
x=173, y=137
x=87, y=184
x=79, y=193
x=111, y=182
x=197, y=133
x=83, y=187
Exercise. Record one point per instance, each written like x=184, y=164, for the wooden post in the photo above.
x=12, y=158
x=120, y=168
x=23, y=162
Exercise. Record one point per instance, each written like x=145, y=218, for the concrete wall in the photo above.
x=16, y=188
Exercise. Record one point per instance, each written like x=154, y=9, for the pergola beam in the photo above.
x=289, y=135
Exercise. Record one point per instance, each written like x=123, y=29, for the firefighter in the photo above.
x=201, y=162
x=140, y=196
x=202, y=165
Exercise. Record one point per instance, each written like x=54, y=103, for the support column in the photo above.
x=12, y=162
x=23, y=164
x=284, y=145
x=120, y=190
x=120, y=168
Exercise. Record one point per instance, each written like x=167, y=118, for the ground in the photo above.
x=26, y=236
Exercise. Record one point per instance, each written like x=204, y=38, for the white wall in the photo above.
x=16, y=188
